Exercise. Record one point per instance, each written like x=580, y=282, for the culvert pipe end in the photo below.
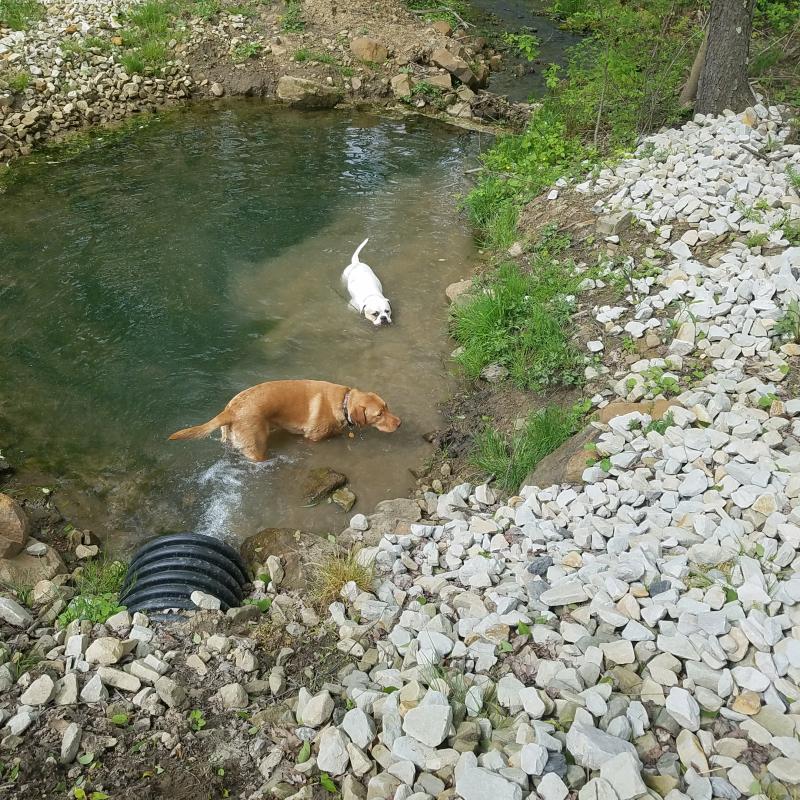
x=167, y=569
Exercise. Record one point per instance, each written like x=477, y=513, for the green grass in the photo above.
x=511, y=458
x=20, y=14
x=305, y=54
x=18, y=81
x=757, y=239
x=520, y=320
x=292, y=19
x=207, y=9
x=149, y=28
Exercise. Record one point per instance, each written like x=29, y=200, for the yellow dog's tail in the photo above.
x=199, y=431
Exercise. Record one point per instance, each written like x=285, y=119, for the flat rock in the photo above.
x=40, y=692
x=591, y=747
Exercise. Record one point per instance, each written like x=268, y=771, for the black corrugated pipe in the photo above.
x=165, y=571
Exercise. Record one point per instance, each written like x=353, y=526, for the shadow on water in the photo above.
x=147, y=282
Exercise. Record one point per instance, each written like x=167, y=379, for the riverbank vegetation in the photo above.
x=626, y=78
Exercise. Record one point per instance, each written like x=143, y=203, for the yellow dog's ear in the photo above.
x=359, y=415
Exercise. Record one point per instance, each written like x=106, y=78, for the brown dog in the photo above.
x=315, y=409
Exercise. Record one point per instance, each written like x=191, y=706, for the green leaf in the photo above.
x=523, y=629
x=86, y=758
x=730, y=595
x=98, y=796
x=421, y=600
x=305, y=753
x=390, y=689
x=326, y=782
x=505, y=647
x=78, y=793
x=253, y=730
x=760, y=550
x=120, y=719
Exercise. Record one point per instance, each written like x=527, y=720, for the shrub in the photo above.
x=510, y=458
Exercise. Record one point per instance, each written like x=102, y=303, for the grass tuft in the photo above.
x=510, y=458
x=330, y=575
x=20, y=14
x=304, y=54
x=18, y=81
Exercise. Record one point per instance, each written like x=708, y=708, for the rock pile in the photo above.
x=60, y=76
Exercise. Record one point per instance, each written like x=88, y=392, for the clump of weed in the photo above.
x=246, y=51
x=98, y=586
x=431, y=94
x=149, y=28
x=17, y=81
x=20, y=14
x=292, y=20
x=517, y=169
x=328, y=576
x=510, y=458
x=788, y=326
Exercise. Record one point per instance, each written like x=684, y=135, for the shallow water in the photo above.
x=525, y=16
x=146, y=282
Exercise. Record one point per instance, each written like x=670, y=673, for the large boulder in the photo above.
x=14, y=527
x=27, y=570
x=307, y=95
x=366, y=49
x=456, y=66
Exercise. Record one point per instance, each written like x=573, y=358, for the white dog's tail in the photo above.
x=354, y=259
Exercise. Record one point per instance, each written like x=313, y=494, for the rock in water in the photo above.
x=321, y=483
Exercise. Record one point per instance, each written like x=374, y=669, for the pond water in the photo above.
x=146, y=282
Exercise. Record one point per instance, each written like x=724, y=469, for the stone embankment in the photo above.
x=77, y=66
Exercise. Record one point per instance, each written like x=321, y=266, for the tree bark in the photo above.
x=723, y=81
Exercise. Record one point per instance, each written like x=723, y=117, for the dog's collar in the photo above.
x=349, y=422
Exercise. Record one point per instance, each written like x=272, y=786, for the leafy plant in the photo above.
x=263, y=603
x=326, y=782
x=207, y=9
x=247, y=50
x=292, y=20
x=518, y=168
x=196, y=720
x=766, y=400
x=788, y=326
x=98, y=585
x=757, y=239
x=526, y=44
x=510, y=458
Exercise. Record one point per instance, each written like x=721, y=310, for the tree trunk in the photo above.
x=723, y=82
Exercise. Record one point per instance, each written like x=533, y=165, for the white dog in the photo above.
x=366, y=292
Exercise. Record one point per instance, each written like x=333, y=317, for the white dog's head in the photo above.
x=377, y=310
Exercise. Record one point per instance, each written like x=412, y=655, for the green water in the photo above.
x=146, y=282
